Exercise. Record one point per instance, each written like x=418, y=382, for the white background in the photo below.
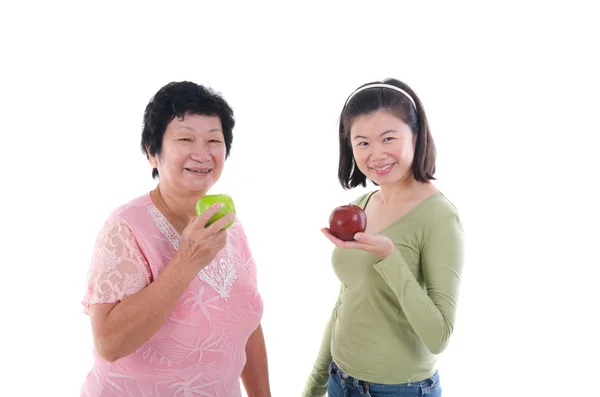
x=511, y=92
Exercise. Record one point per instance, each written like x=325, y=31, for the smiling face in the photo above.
x=383, y=147
x=192, y=154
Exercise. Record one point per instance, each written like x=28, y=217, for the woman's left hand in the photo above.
x=378, y=245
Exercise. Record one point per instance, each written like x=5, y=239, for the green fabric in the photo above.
x=393, y=316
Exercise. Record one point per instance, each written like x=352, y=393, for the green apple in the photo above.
x=210, y=199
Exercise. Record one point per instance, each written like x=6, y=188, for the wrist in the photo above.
x=182, y=268
x=388, y=254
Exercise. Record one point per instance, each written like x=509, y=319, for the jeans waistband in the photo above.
x=336, y=371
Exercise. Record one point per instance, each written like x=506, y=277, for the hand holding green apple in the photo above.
x=200, y=243
x=227, y=206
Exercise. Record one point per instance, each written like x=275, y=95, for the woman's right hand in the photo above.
x=200, y=243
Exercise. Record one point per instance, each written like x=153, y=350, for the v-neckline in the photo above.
x=164, y=218
x=404, y=216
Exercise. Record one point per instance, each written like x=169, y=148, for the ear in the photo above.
x=152, y=159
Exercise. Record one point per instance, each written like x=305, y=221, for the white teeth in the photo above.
x=387, y=167
x=199, y=172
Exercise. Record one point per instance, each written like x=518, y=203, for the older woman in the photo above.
x=173, y=303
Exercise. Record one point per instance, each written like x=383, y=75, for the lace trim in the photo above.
x=118, y=268
x=220, y=274
x=164, y=226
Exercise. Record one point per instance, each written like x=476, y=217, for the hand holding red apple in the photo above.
x=347, y=220
x=377, y=244
x=347, y=224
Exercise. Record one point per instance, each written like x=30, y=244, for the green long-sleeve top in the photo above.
x=394, y=316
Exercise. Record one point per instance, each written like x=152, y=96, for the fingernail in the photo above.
x=219, y=205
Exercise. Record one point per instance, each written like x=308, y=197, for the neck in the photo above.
x=180, y=207
x=403, y=190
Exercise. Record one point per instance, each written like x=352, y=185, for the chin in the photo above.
x=386, y=180
x=198, y=189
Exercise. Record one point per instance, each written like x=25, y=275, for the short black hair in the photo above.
x=176, y=99
x=371, y=100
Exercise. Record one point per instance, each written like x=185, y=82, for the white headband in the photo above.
x=381, y=85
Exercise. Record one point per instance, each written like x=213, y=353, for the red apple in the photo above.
x=347, y=220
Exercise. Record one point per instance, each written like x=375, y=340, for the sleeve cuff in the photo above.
x=394, y=270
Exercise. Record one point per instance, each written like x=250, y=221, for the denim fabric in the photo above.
x=343, y=385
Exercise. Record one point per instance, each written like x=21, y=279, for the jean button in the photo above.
x=344, y=375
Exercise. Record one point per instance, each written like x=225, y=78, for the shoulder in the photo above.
x=440, y=207
x=441, y=216
x=132, y=207
x=130, y=213
x=435, y=214
x=362, y=200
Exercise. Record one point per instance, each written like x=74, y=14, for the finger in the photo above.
x=334, y=239
x=218, y=240
x=328, y=232
x=202, y=220
x=366, y=238
x=353, y=244
x=220, y=223
x=329, y=235
x=376, y=242
x=221, y=238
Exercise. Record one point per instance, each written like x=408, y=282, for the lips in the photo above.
x=382, y=169
x=199, y=171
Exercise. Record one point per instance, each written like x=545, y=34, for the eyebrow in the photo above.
x=191, y=129
x=382, y=134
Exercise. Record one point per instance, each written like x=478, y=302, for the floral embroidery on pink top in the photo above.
x=200, y=350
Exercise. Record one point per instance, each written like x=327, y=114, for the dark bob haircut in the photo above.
x=177, y=99
x=371, y=100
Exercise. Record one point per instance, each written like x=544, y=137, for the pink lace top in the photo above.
x=200, y=350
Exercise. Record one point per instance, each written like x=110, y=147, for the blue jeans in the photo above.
x=343, y=385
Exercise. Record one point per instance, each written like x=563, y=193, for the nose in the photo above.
x=377, y=153
x=200, y=152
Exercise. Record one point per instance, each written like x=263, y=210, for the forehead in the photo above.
x=377, y=122
x=195, y=123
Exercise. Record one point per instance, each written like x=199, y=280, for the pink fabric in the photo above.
x=200, y=350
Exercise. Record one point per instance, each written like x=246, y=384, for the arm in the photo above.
x=430, y=311
x=121, y=328
x=316, y=386
x=255, y=375
x=126, y=309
